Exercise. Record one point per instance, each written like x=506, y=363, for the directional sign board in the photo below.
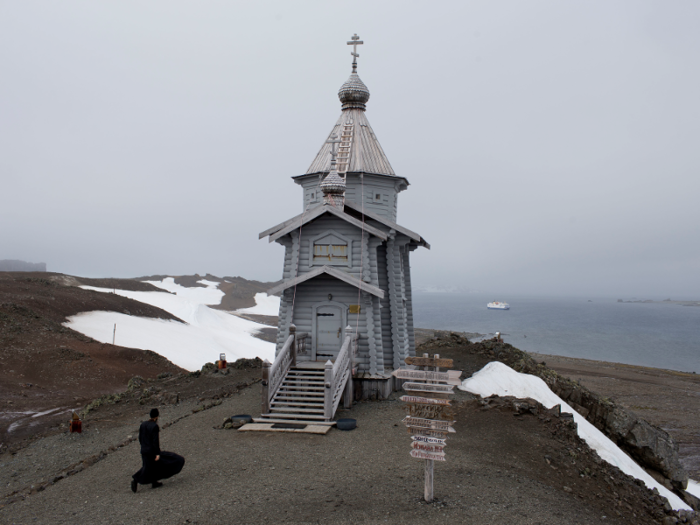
x=450, y=377
x=429, y=440
x=428, y=387
x=430, y=424
x=429, y=361
x=427, y=455
x=440, y=434
x=430, y=411
x=425, y=400
x=427, y=448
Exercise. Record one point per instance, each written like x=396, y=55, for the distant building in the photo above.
x=9, y=265
x=346, y=262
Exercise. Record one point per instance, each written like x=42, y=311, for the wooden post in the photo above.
x=328, y=391
x=293, y=332
x=266, y=386
x=114, y=334
x=429, y=465
x=348, y=394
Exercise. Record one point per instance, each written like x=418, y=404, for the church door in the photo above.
x=329, y=328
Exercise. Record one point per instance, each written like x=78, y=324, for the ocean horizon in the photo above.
x=656, y=334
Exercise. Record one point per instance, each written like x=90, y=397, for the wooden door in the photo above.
x=329, y=332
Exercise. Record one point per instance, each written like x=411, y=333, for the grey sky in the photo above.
x=552, y=147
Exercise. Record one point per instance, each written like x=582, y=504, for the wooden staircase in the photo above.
x=307, y=392
x=300, y=398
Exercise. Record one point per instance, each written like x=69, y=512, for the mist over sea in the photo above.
x=648, y=334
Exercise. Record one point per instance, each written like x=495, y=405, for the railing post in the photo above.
x=348, y=394
x=293, y=333
x=266, y=386
x=328, y=391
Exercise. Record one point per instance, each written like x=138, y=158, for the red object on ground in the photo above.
x=76, y=426
x=222, y=364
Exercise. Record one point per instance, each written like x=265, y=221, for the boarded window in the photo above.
x=331, y=250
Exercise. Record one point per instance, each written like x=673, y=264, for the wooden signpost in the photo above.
x=451, y=377
x=434, y=361
x=432, y=440
x=425, y=400
x=429, y=413
x=427, y=387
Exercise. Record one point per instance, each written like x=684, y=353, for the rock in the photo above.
x=210, y=368
x=243, y=363
x=669, y=520
x=690, y=500
x=229, y=425
x=567, y=489
x=135, y=382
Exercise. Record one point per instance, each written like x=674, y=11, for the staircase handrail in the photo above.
x=274, y=374
x=338, y=374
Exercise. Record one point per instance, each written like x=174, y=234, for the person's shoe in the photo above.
x=134, y=485
x=156, y=485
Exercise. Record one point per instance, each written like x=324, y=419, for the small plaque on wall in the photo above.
x=354, y=308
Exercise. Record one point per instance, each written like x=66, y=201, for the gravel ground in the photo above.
x=496, y=472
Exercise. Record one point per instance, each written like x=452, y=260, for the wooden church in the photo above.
x=346, y=312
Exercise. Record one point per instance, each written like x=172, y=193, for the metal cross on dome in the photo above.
x=354, y=42
x=333, y=141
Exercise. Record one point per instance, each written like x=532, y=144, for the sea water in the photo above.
x=659, y=335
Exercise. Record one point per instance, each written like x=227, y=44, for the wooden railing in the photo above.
x=273, y=374
x=303, y=342
x=338, y=376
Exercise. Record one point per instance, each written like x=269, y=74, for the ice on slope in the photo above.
x=206, y=334
x=501, y=380
x=264, y=305
x=693, y=488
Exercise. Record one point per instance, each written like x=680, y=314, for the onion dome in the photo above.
x=333, y=184
x=354, y=93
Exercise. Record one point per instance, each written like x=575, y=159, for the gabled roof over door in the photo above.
x=333, y=272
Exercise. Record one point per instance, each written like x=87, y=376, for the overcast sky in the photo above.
x=552, y=147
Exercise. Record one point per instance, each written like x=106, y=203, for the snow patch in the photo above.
x=264, y=305
x=501, y=380
x=205, y=334
x=693, y=488
x=211, y=295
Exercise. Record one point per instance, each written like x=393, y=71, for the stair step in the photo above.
x=298, y=382
x=295, y=395
x=296, y=410
x=288, y=388
x=285, y=402
x=269, y=418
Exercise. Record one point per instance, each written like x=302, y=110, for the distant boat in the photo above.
x=496, y=305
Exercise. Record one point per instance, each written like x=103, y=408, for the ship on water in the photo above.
x=498, y=305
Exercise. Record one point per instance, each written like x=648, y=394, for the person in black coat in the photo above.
x=156, y=464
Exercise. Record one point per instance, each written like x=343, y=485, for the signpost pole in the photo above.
x=429, y=468
x=429, y=464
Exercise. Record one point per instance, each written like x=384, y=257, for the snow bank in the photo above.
x=693, y=488
x=206, y=334
x=499, y=379
x=264, y=305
